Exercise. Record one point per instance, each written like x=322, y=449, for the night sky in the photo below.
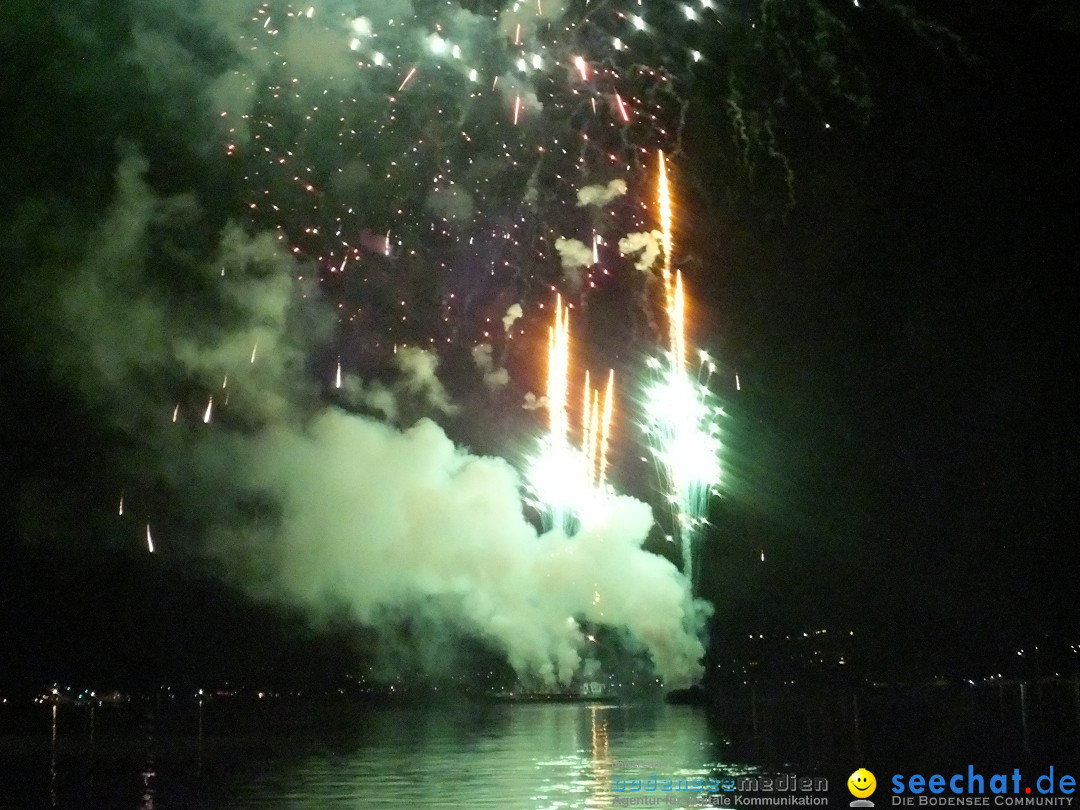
x=887, y=262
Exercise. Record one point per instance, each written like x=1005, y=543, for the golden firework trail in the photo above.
x=605, y=427
x=569, y=478
x=588, y=427
x=672, y=302
x=664, y=202
x=559, y=372
x=596, y=413
x=677, y=316
x=680, y=417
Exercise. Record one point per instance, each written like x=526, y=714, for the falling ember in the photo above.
x=254, y=349
x=149, y=540
x=622, y=108
x=337, y=376
x=386, y=244
x=121, y=512
x=738, y=385
x=407, y=79
x=517, y=108
x=176, y=412
x=582, y=68
x=209, y=410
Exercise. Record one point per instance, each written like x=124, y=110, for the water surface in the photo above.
x=290, y=753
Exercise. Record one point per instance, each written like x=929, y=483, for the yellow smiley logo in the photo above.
x=861, y=783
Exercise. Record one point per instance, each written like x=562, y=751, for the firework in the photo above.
x=680, y=413
x=567, y=482
x=446, y=123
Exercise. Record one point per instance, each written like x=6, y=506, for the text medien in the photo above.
x=780, y=783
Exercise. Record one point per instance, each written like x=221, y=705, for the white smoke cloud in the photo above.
x=374, y=397
x=384, y=520
x=647, y=243
x=601, y=195
x=513, y=312
x=575, y=257
x=418, y=367
x=113, y=297
x=493, y=377
x=532, y=402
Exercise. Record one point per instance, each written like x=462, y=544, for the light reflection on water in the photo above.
x=529, y=756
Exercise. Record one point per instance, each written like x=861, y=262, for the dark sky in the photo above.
x=903, y=446
x=911, y=332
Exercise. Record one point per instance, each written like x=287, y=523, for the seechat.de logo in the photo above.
x=862, y=785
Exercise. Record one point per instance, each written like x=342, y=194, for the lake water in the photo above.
x=291, y=754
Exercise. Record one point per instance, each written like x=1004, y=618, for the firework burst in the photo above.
x=680, y=411
x=567, y=481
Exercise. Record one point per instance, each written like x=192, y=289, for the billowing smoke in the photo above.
x=494, y=377
x=532, y=402
x=418, y=368
x=417, y=384
x=370, y=397
x=575, y=257
x=601, y=195
x=646, y=243
x=168, y=301
x=390, y=522
x=513, y=312
x=387, y=522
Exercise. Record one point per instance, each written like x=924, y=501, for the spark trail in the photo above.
x=414, y=161
x=680, y=416
x=567, y=482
